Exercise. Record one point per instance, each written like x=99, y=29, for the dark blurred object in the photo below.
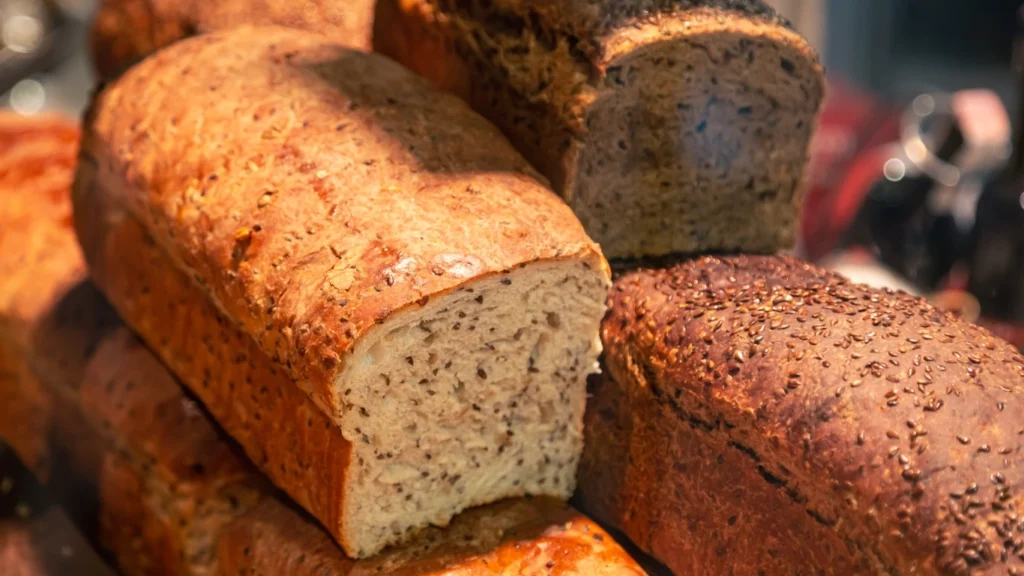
x=996, y=258
x=36, y=538
x=34, y=37
x=902, y=189
x=896, y=221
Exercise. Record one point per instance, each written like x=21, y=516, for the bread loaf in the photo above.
x=148, y=471
x=168, y=489
x=319, y=221
x=126, y=31
x=762, y=415
x=668, y=125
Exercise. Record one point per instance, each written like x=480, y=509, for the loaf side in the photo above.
x=126, y=31
x=893, y=426
x=275, y=422
x=654, y=120
x=85, y=406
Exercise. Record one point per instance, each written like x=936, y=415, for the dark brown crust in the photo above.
x=590, y=21
x=893, y=423
x=542, y=72
x=710, y=510
x=126, y=31
x=536, y=536
x=317, y=134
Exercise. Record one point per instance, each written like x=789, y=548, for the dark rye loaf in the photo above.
x=762, y=416
x=126, y=31
x=399, y=317
x=668, y=125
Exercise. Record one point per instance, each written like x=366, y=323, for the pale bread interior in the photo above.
x=476, y=396
x=699, y=132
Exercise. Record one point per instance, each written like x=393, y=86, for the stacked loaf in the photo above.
x=149, y=473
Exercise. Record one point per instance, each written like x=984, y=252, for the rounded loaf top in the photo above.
x=314, y=190
x=889, y=419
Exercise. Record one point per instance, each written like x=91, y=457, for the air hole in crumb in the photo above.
x=547, y=412
x=554, y=320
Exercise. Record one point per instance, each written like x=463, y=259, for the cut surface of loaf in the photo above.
x=668, y=126
x=760, y=413
x=126, y=31
x=357, y=241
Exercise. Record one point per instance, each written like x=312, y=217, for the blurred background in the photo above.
x=916, y=179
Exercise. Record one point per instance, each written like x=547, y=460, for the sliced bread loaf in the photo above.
x=319, y=221
x=144, y=468
x=668, y=125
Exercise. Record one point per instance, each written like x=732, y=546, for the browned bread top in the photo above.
x=314, y=191
x=126, y=31
x=588, y=20
x=518, y=536
x=896, y=423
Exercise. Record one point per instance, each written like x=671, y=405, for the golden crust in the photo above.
x=319, y=134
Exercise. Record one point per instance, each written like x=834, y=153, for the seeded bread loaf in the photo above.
x=154, y=479
x=167, y=489
x=126, y=31
x=760, y=414
x=342, y=231
x=163, y=487
x=668, y=125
